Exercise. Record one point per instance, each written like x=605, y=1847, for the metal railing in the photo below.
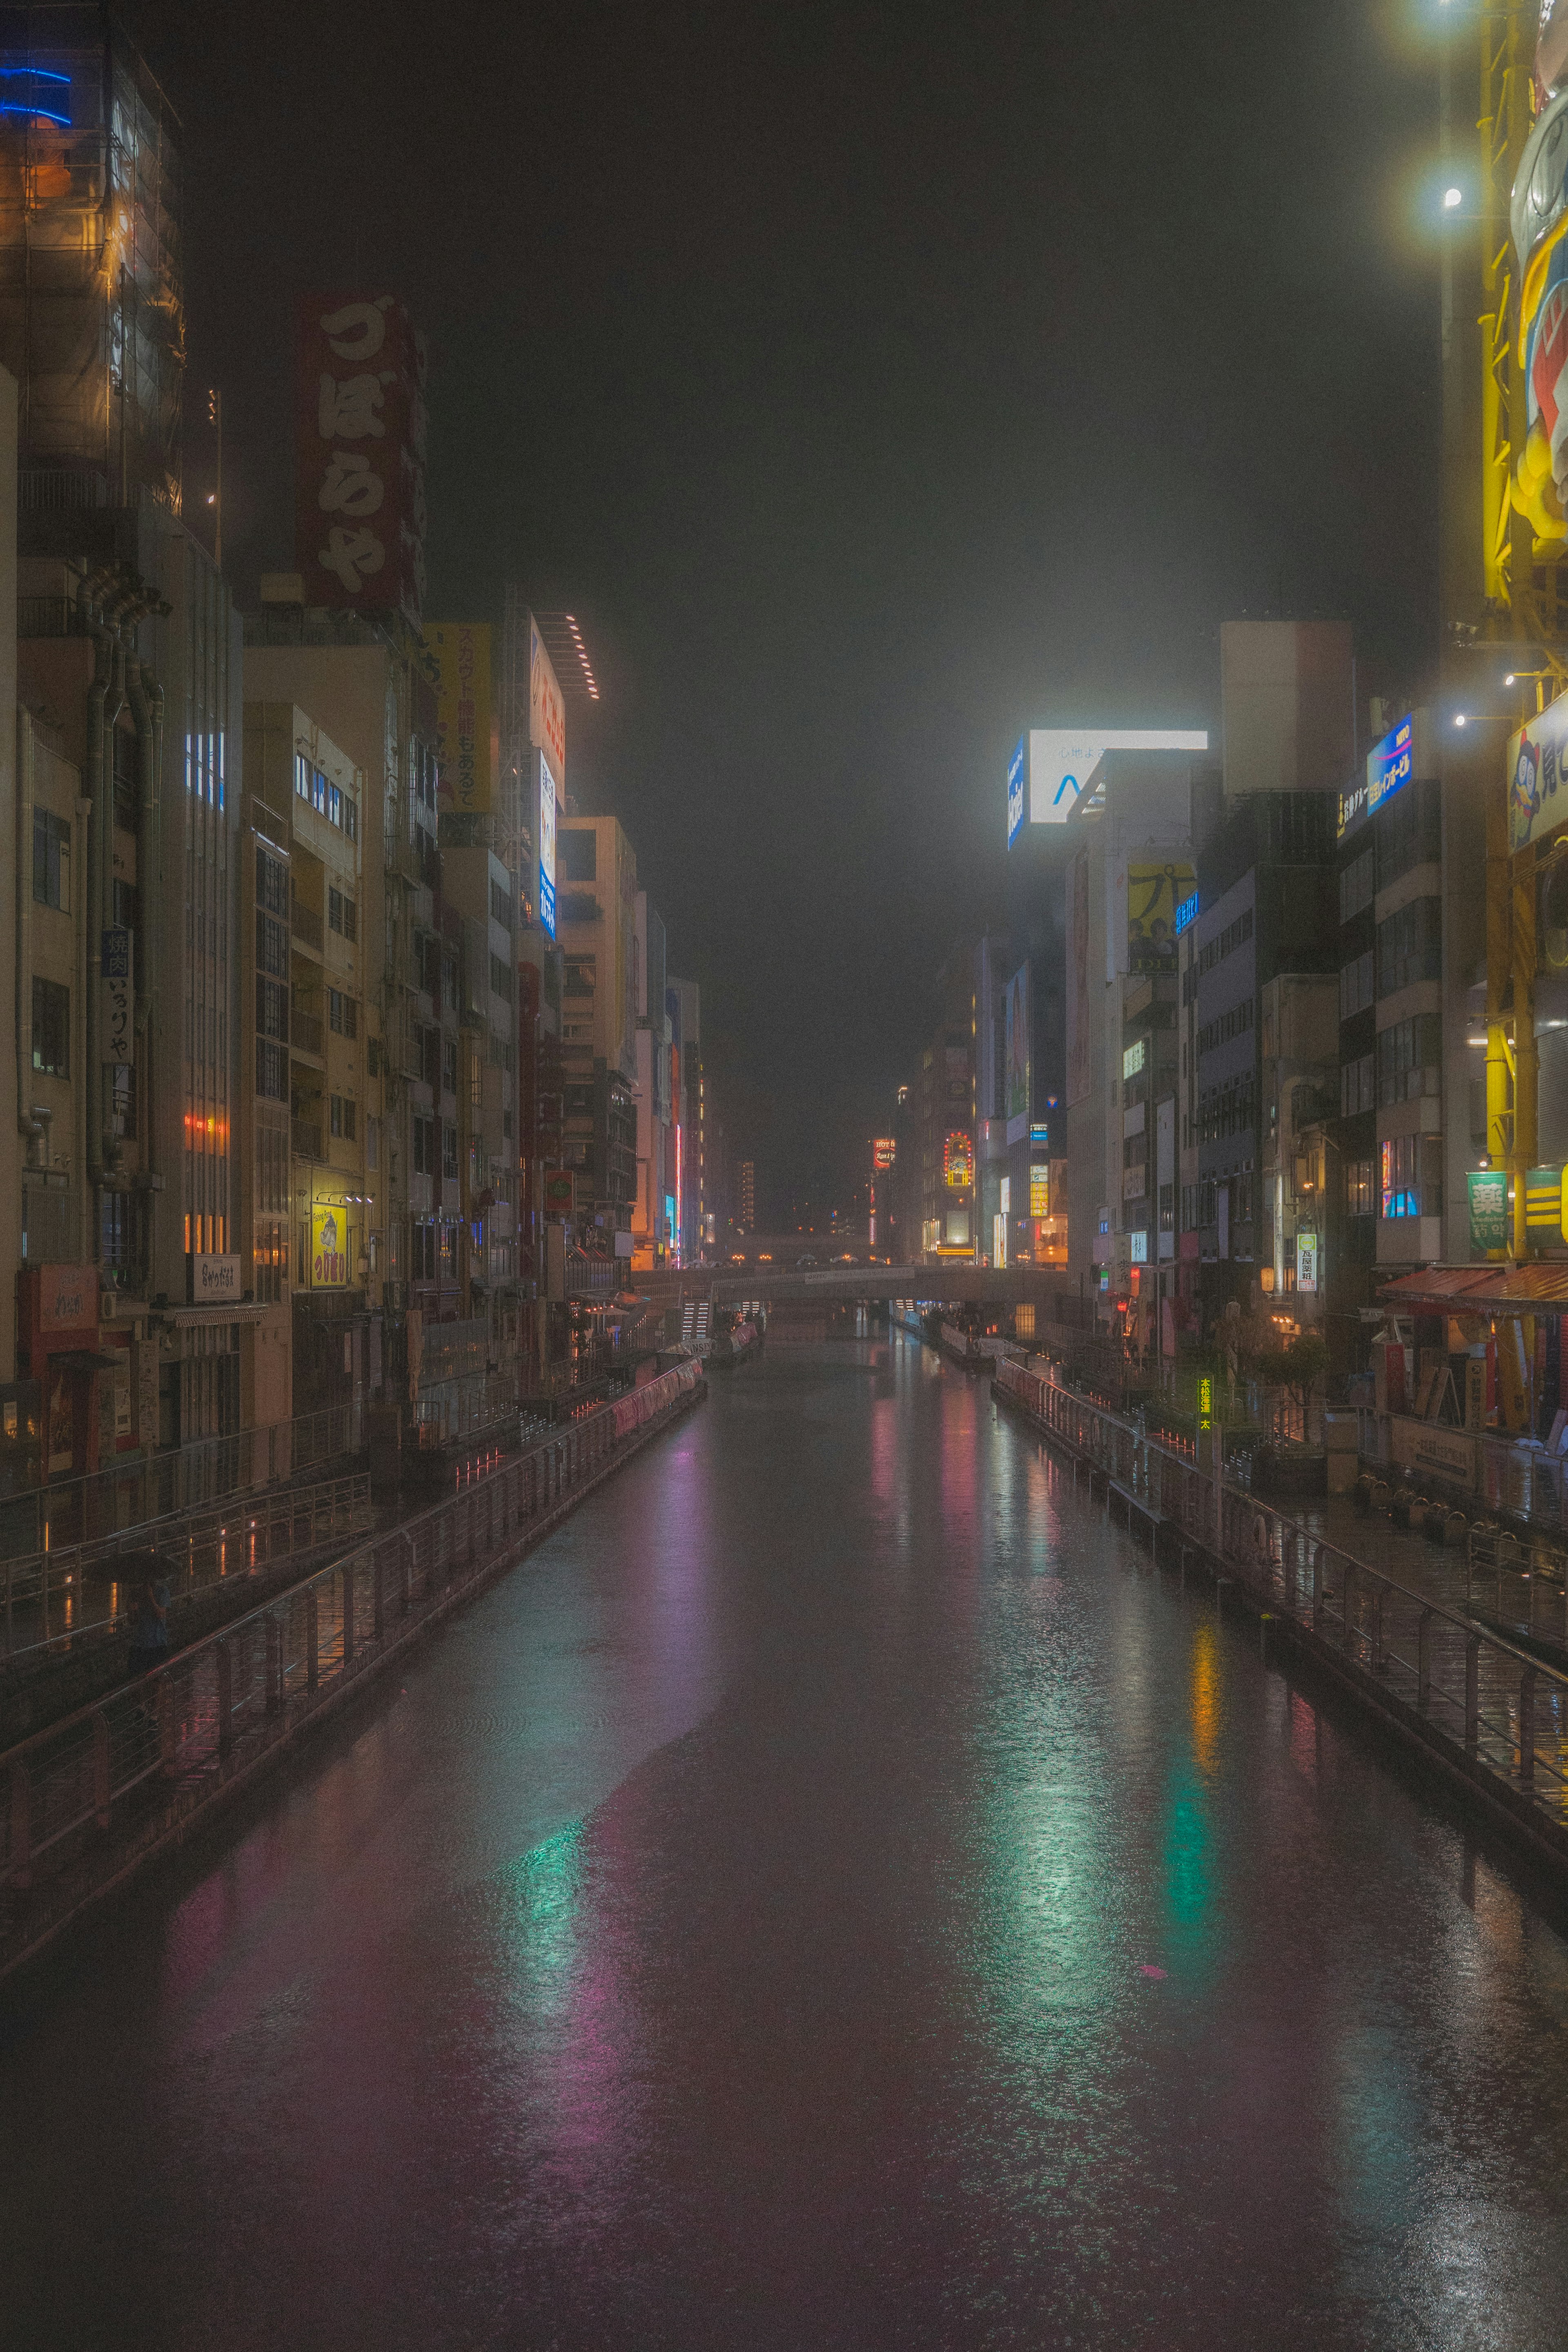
x=58, y=1600
x=1488, y=1702
x=114, y=1500
x=218, y=1704
x=306, y=924
x=1517, y=1580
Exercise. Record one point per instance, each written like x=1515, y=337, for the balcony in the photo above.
x=306, y=1033
x=307, y=1139
x=307, y=928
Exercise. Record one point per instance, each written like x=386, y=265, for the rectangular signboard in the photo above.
x=329, y=1245
x=119, y=1047
x=1017, y=773
x=1307, y=1262
x=546, y=845
x=360, y=432
x=1489, y=1208
x=458, y=653
x=214, y=1280
x=1061, y=759
x=1389, y=768
x=1537, y=776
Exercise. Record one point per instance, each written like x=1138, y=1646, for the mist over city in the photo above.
x=784, y=1439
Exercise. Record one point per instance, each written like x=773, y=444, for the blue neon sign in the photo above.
x=1389, y=768
x=1187, y=912
x=1017, y=767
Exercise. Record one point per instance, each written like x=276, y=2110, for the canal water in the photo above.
x=836, y=1893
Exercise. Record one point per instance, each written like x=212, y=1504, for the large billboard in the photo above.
x=546, y=710
x=1537, y=776
x=546, y=837
x=1061, y=759
x=1390, y=764
x=1078, y=1054
x=1018, y=1051
x=329, y=1245
x=1154, y=891
x=1017, y=773
x=460, y=655
x=360, y=434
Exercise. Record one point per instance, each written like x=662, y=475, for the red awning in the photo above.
x=1481, y=1289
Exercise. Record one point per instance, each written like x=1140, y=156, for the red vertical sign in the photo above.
x=360, y=432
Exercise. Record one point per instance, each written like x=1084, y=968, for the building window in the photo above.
x=1410, y=1059
x=342, y=915
x=423, y=1146
x=271, y=1009
x=1357, y=885
x=449, y=1066
x=373, y=1143
x=342, y=1013
x=272, y=947
x=448, y=1150
x=344, y=1116
x=424, y=1257
x=1358, y=1086
x=1358, y=1188
x=1411, y=1176
x=51, y=1028
x=576, y=851
x=500, y=906
x=1410, y=946
x=271, y=886
x=271, y=1071
x=51, y=860
x=500, y=977
x=1357, y=986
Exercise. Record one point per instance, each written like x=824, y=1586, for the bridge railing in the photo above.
x=227, y=1696
x=1503, y=1711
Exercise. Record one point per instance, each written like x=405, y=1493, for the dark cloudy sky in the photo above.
x=871, y=382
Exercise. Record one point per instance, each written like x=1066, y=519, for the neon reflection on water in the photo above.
x=1188, y=1855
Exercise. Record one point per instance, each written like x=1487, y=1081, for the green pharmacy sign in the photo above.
x=1488, y=1209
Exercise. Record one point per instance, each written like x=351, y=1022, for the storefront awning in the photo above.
x=1480, y=1290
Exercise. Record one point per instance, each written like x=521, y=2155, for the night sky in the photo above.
x=872, y=382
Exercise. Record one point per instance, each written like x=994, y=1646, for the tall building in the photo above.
x=651, y=1226
x=689, y=1186
x=749, y=1195
x=596, y=925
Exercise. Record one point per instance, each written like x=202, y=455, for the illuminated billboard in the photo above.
x=958, y=1161
x=1017, y=769
x=1153, y=893
x=1389, y=768
x=546, y=844
x=1537, y=776
x=883, y=1152
x=1059, y=762
x=329, y=1245
x=546, y=710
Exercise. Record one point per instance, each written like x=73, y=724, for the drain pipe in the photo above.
x=100, y=903
x=31, y=1125
x=92, y=776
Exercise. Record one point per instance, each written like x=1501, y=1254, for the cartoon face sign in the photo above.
x=1525, y=793
x=1538, y=218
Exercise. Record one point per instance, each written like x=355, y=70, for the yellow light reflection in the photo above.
x=1205, y=1696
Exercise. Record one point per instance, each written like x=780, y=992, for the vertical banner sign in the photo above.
x=459, y=654
x=118, y=995
x=546, y=710
x=546, y=845
x=359, y=435
x=1489, y=1208
x=329, y=1246
x=1306, y=1262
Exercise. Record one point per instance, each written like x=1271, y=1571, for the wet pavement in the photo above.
x=836, y=1893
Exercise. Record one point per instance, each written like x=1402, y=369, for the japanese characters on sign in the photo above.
x=460, y=655
x=546, y=845
x=359, y=528
x=329, y=1246
x=119, y=994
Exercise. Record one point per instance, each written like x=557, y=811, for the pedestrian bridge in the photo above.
x=857, y=1286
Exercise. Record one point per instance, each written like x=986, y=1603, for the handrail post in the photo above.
x=168, y=1730
x=1527, y=1725
x=274, y=1638
x=101, y=1767
x=348, y=1581
x=405, y=1575
x=1317, y=1588
x=1347, y=1586
x=377, y=1601
x=224, y=1661
x=313, y=1638
x=1472, y=1693
x=1424, y=1660
x=21, y=1823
